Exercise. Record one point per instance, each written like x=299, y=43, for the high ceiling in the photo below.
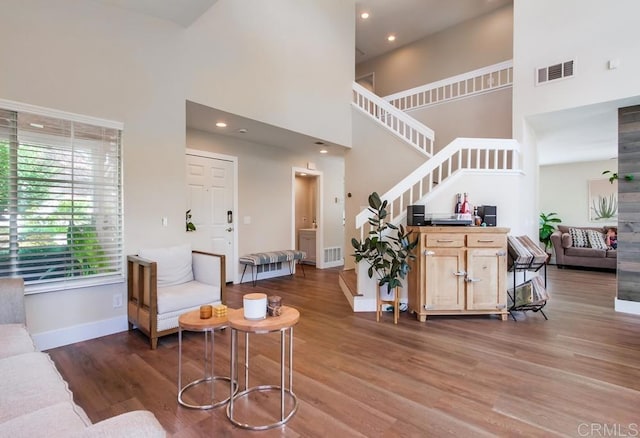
x=580, y=134
x=411, y=20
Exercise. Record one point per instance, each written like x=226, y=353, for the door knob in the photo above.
x=229, y=229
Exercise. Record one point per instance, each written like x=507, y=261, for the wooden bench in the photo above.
x=265, y=258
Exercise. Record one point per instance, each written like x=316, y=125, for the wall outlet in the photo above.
x=117, y=301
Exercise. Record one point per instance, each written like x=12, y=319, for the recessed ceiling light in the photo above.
x=302, y=174
x=391, y=37
x=243, y=130
x=323, y=151
x=364, y=15
x=221, y=125
x=36, y=125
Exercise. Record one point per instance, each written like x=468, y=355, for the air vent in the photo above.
x=554, y=72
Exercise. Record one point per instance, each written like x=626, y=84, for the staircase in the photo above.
x=463, y=156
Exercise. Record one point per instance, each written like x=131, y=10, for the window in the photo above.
x=60, y=198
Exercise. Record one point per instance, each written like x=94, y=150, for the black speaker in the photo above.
x=415, y=215
x=488, y=214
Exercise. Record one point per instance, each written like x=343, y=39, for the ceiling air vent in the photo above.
x=554, y=72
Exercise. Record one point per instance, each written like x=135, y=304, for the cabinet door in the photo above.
x=486, y=274
x=444, y=270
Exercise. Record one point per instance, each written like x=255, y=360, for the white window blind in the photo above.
x=60, y=200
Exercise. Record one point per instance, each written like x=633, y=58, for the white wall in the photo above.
x=564, y=190
x=87, y=58
x=265, y=190
x=289, y=63
x=592, y=33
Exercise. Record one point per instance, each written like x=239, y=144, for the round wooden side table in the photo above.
x=284, y=324
x=191, y=321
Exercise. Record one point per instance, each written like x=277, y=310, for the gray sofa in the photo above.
x=36, y=400
x=567, y=254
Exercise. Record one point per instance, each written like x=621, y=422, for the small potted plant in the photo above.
x=387, y=249
x=190, y=226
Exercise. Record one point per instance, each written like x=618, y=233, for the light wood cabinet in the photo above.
x=459, y=270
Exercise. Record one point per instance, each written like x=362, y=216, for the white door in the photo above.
x=210, y=198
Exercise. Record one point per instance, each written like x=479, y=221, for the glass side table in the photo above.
x=284, y=324
x=191, y=321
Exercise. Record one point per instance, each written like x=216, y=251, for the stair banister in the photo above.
x=454, y=149
x=406, y=127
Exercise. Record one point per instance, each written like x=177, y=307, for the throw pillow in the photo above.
x=579, y=238
x=596, y=239
x=174, y=264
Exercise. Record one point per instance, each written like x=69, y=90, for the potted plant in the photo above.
x=387, y=249
x=547, y=227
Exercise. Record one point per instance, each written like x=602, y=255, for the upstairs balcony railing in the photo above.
x=483, y=80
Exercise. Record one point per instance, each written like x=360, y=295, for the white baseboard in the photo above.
x=78, y=333
x=625, y=306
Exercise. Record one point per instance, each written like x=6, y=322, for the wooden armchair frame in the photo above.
x=142, y=290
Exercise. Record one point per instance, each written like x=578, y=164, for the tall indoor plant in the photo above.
x=387, y=249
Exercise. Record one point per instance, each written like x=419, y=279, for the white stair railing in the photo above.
x=461, y=155
x=483, y=80
x=399, y=123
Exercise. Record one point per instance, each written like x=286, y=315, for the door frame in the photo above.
x=234, y=160
x=319, y=209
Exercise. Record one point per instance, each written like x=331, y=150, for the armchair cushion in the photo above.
x=186, y=296
x=174, y=264
x=566, y=240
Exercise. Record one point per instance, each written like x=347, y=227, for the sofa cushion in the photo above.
x=15, y=339
x=566, y=240
x=173, y=263
x=186, y=295
x=579, y=237
x=585, y=252
x=29, y=382
x=596, y=239
x=58, y=420
x=612, y=254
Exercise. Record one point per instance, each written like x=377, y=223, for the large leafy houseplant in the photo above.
x=548, y=223
x=387, y=249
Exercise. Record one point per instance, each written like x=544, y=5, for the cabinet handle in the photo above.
x=472, y=280
x=460, y=274
x=428, y=253
x=501, y=306
x=444, y=240
x=486, y=240
x=501, y=253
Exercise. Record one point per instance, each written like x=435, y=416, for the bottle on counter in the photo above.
x=458, y=203
x=476, y=218
x=466, y=207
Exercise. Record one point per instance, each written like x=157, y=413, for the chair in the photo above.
x=164, y=283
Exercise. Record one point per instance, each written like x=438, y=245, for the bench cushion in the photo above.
x=263, y=258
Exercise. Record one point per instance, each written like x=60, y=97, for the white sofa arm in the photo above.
x=12, y=301
x=135, y=424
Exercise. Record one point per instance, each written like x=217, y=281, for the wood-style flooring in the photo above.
x=577, y=374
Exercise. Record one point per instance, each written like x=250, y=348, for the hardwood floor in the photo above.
x=577, y=374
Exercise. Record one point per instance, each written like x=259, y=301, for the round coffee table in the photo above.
x=191, y=321
x=283, y=324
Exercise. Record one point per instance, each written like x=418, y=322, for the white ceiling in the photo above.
x=181, y=12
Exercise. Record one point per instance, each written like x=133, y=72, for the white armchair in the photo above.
x=164, y=283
